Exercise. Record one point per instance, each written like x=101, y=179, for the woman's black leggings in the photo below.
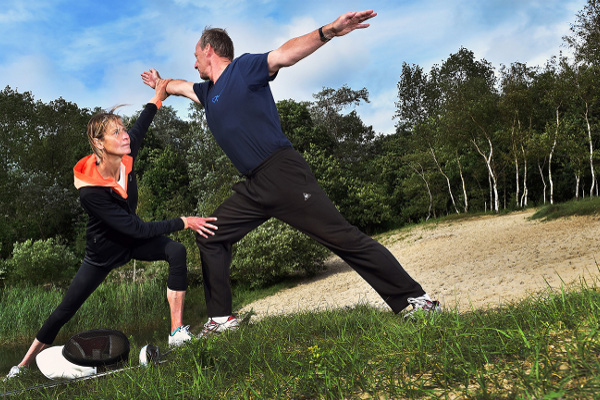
x=89, y=277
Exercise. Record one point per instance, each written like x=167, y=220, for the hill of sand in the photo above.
x=478, y=262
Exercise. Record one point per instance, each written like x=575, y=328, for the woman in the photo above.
x=115, y=234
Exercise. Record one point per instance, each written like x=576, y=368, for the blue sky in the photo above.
x=92, y=53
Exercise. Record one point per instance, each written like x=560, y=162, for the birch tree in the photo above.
x=418, y=108
x=585, y=43
x=517, y=106
x=552, y=84
x=471, y=101
x=584, y=80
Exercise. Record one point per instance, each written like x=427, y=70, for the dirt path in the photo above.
x=479, y=262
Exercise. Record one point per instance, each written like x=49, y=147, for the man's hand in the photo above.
x=348, y=22
x=177, y=87
x=151, y=77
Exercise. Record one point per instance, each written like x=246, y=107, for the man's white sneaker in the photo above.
x=422, y=305
x=212, y=327
x=180, y=336
x=14, y=372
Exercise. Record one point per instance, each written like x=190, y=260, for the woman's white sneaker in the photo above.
x=180, y=336
x=14, y=372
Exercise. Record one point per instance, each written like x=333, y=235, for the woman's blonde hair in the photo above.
x=96, y=128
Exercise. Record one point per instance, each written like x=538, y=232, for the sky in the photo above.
x=92, y=53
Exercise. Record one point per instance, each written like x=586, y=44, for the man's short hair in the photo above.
x=219, y=41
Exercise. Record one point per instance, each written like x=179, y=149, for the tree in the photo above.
x=470, y=107
x=418, y=107
x=298, y=126
x=585, y=40
x=517, y=106
x=40, y=144
x=346, y=130
x=584, y=81
x=165, y=184
x=554, y=93
x=571, y=146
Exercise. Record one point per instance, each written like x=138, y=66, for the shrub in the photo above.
x=275, y=251
x=38, y=262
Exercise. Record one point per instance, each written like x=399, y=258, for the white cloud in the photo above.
x=38, y=74
x=380, y=112
x=98, y=64
x=17, y=11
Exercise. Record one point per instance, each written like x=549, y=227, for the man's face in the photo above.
x=201, y=63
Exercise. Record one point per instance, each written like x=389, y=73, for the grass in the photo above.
x=544, y=347
x=25, y=309
x=587, y=206
x=582, y=207
x=130, y=307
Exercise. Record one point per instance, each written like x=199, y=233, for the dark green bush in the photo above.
x=38, y=262
x=275, y=251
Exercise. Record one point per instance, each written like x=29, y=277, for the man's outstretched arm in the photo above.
x=177, y=87
x=298, y=48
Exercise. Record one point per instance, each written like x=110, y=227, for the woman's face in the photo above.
x=116, y=140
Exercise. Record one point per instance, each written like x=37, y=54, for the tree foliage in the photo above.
x=38, y=262
x=469, y=137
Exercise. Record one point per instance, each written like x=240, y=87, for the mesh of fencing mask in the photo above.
x=97, y=347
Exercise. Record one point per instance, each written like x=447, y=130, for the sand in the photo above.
x=476, y=263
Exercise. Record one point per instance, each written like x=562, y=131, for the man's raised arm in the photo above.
x=176, y=87
x=298, y=48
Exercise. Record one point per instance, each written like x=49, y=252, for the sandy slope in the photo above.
x=479, y=262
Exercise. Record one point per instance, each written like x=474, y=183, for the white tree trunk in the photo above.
x=464, y=186
x=543, y=180
x=517, y=180
x=525, y=189
x=516, y=161
x=550, y=158
x=488, y=162
x=491, y=176
x=447, y=179
x=421, y=173
x=589, y=132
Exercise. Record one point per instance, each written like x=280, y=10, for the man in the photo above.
x=242, y=115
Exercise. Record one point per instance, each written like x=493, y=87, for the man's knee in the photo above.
x=211, y=244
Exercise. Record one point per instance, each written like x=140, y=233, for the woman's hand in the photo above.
x=160, y=90
x=200, y=225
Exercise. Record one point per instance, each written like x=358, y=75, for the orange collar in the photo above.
x=87, y=174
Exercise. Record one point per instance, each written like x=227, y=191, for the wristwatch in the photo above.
x=322, y=36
